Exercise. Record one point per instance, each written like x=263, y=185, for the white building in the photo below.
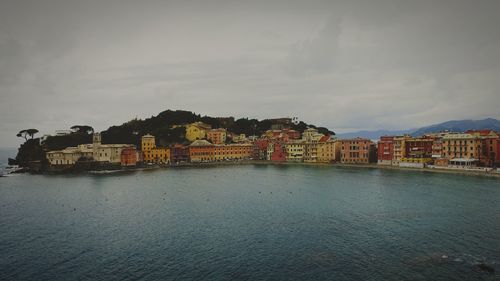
x=96, y=151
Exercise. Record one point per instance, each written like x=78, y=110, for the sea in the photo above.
x=250, y=222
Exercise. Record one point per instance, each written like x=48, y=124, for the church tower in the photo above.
x=96, y=143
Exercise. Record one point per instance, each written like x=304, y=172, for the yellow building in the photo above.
x=197, y=131
x=328, y=150
x=462, y=149
x=153, y=154
x=294, y=151
x=399, y=149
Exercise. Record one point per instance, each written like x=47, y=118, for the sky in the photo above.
x=347, y=65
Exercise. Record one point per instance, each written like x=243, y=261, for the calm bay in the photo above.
x=250, y=222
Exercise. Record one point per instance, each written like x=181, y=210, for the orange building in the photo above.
x=129, y=157
x=356, y=151
x=217, y=136
x=233, y=152
x=153, y=154
x=201, y=151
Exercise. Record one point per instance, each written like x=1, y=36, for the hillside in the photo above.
x=162, y=126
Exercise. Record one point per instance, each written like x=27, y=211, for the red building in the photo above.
x=260, y=149
x=385, y=150
x=276, y=151
x=419, y=147
x=129, y=157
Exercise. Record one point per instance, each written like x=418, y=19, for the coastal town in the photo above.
x=470, y=150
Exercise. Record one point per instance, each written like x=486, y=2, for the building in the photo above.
x=153, y=154
x=239, y=138
x=260, y=149
x=129, y=157
x=462, y=149
x=310, y=151
x=69, y=156
x=489, y=146
x=280, y=123
x=355, y=151
x=399, y=150
x=418, y=150
x=217, y=136
x=311, y=135
x=328, y=150
x=232, y=152
x=294, y=151
x=276, y=151
x=385, y=150
x=197, y=131
x=201, y=151
x=96, y=152
x=179, y=154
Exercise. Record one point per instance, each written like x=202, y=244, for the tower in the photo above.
x=96, y=143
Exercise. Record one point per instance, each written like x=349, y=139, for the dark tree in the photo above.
x=82, y=129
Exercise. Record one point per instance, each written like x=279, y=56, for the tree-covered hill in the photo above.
x=164, y=126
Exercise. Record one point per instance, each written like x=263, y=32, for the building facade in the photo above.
x=217, y=136
x=197, y=131
x=355, y=151
x=385, y=150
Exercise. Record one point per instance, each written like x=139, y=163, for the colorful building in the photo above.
x=153, y=154
x=201, y=151
x=179, y=154
x=385, y=150
x=355, y=151
x=462, y=149
x=294, y=151
x=328, y=150
x=129, y=157
x=217, y=136
x=276, y=151
x=233, y=152
x=260, y=149
x=489, y=146
x=197, y=131
x=418, y=150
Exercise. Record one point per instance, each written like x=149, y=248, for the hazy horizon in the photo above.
x=344, y=65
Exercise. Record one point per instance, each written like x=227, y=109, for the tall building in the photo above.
x=385, y=150
x=328, y=150
x=294, y=151
x=462, y=149
x=153, y=154
x=355, y=151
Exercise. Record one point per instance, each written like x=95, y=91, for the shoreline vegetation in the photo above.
x=491, y=173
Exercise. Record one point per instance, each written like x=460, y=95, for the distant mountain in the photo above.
x=452, y=126
x=459, y=126
x=373, y=135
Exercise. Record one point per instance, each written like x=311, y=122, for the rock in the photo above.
x=485, y=268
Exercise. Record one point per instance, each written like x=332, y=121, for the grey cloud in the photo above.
x=343, y=64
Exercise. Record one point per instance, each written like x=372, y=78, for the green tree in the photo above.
x=82, y=129
x=32, y=132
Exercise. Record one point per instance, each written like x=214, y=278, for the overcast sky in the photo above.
x=347, y=65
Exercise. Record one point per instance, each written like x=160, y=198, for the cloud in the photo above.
x=346, y=65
